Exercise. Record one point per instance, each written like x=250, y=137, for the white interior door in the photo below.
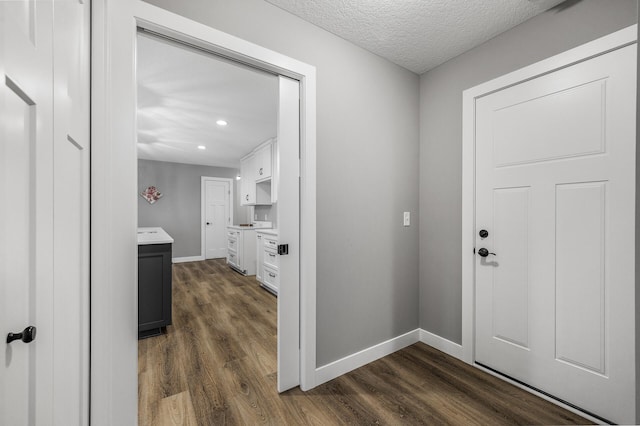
x=217, y=200
x=26, y=211
x=44, y=215
x=555, y=190
x=288, y=184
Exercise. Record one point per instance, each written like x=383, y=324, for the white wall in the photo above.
x=367, y=173
x=570, y=24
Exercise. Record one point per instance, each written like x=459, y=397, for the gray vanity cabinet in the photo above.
x=154, y=289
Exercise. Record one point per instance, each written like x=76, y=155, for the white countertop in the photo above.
x=242, y=228
x=153, y=235
x=255, y=226
x=268, y=231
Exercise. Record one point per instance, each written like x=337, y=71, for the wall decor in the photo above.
x=151, y=194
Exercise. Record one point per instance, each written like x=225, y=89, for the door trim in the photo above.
x=614, y=41
x=113, y=177
x=203, y=210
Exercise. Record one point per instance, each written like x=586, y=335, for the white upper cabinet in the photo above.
x=257, y=170
x=248, y=183
x=263, y=162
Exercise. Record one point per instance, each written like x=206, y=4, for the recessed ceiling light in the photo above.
x=202, y=147
x=221, y=123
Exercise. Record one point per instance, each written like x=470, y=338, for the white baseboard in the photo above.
x=441, y=344
x=187, y=259
x=349, y=363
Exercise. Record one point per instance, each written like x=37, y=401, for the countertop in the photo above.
x=268, y=231
x=250, y=228
x=153, y=235
x=242, y=228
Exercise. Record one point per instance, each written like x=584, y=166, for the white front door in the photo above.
x=217, y=200
x=555, y=193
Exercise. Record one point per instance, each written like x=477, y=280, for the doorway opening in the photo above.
x=215, y=140
x=113, y=262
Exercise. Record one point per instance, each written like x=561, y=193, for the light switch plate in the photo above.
x=407, y=218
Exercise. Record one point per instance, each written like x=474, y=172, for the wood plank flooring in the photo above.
x=217, y=365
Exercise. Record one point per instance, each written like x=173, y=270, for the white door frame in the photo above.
x=203, y=210
x=114, y=170
x=581, y=53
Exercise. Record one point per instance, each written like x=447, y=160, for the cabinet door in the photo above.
x=248, y=184
x=259, y=258
x=263, y=164
x=154, y=286
x=274, y=171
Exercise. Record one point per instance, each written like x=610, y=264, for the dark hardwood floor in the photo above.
x=217, y=365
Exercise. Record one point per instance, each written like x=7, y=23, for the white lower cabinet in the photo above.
x=268, y=261
x=271, y=280
x=259, y=258
x=241, y=249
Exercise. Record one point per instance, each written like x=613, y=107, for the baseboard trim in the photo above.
x=187, y=259
x=441, y=344
x=349, y=363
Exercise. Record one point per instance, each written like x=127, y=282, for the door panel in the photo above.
x=580, y=285
x=555, y=188
x=26, y=176
x=511, y=279
x=18, y=252
x=554, y=133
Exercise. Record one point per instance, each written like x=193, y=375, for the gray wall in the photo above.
x=367, y=160
x=178, y=211
x=564, y=27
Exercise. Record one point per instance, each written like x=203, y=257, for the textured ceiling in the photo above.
x=183, y=92
x=416, y=34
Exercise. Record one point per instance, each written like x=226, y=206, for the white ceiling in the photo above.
x=416, y=34
x=183, y=92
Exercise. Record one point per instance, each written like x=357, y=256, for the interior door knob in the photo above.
x=208, y=223
x=483, y=252
x=28, y=335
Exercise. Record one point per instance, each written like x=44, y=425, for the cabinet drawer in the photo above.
x=270, y=243
x=232, y=259
x=271, y=278
x=232, y=244
x=232, y=233
x=271, y=259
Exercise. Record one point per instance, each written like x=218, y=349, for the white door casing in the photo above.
x=288, y=181
x=113, y=266
x=555, y=186
x=44, y=154
x=217, y=211
x=71, y=212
